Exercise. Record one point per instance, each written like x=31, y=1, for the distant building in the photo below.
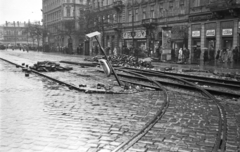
x=55, y=14
x=14, y=34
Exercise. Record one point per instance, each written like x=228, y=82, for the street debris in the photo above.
x=124, y=60
x=48, y=66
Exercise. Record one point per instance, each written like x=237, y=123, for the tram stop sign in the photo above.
x=90, y=35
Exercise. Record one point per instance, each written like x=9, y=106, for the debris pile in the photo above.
x=48, y=66
x=124, y=60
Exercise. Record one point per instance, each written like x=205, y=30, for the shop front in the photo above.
x=227, y=35
x=211, y=40
x=139, y=40
x=196, y=43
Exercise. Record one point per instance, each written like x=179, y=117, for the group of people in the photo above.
x=228, y=55
x=180, y=55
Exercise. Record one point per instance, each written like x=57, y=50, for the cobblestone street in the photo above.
x=40, y=115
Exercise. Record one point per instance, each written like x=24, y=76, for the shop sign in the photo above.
x=227, y=32
x=195, y=33
x=139, y=34
x=210, y=33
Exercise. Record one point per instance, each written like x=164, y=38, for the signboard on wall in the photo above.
x=227, y=32
x=210, y=33
x=139, y=34
x=195, y=33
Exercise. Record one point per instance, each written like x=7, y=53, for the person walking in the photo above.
x=205, y=56
x=218, y=55
x=187, y=52
x=235, y=54
x=224, y=55
x=180, y=55
x=229, y=55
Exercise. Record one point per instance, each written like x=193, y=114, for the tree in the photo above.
x=35, y=31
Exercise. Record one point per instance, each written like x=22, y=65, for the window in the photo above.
x=181, y=3
x=136, y=15
x=152, y=13
x=160, y=9
x=68, y=11
x=114, y=18
x=195, y=3
x=129, y=16
x=108, y=19
x=171, y=4
x=144, y=13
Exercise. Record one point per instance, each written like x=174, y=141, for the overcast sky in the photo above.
x=20, y=10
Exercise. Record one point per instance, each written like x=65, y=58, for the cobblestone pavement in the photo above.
x=39, y=115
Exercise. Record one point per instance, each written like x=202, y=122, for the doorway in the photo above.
x=227, y=43
x=211, y=46
x=196, y=50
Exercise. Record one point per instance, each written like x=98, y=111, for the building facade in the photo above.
x=145, y=24
x=14, y=34
x=105, y=16
x=213, y=25
x=157, y=25
x=61, y=21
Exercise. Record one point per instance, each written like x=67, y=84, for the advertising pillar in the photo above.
x=166, y=43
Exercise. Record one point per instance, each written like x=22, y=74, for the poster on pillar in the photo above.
x=166, y=40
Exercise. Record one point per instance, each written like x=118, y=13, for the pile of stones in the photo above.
x=48, y=66
x=123, y=60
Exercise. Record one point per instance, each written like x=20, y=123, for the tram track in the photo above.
x=220, y=142
x=221, y=137
x=70, y=86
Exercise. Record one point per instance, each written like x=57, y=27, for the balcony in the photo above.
x=117, y=26
x=220, y=5
x=221, y=8
x=118, y=5
x=149, y=23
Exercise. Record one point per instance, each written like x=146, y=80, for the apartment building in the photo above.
x=14, y=33
x=56, y=13
x=214, y=25
x=106, y=17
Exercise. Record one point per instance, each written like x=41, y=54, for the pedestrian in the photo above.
x=218, y=55
x=187, y=52
x=224, y=55
x=172, y=54
x=115, y=51
x=235, y=54
x=176, y=55
x=180, y=55
x=229, y=55
x=205, y=56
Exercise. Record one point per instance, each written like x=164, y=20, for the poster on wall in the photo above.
x=227, y=32
x=166, y=40
x=195, y=33
x=210, y=33
x=139, y=34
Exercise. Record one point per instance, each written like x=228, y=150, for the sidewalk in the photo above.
x=220, y=67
